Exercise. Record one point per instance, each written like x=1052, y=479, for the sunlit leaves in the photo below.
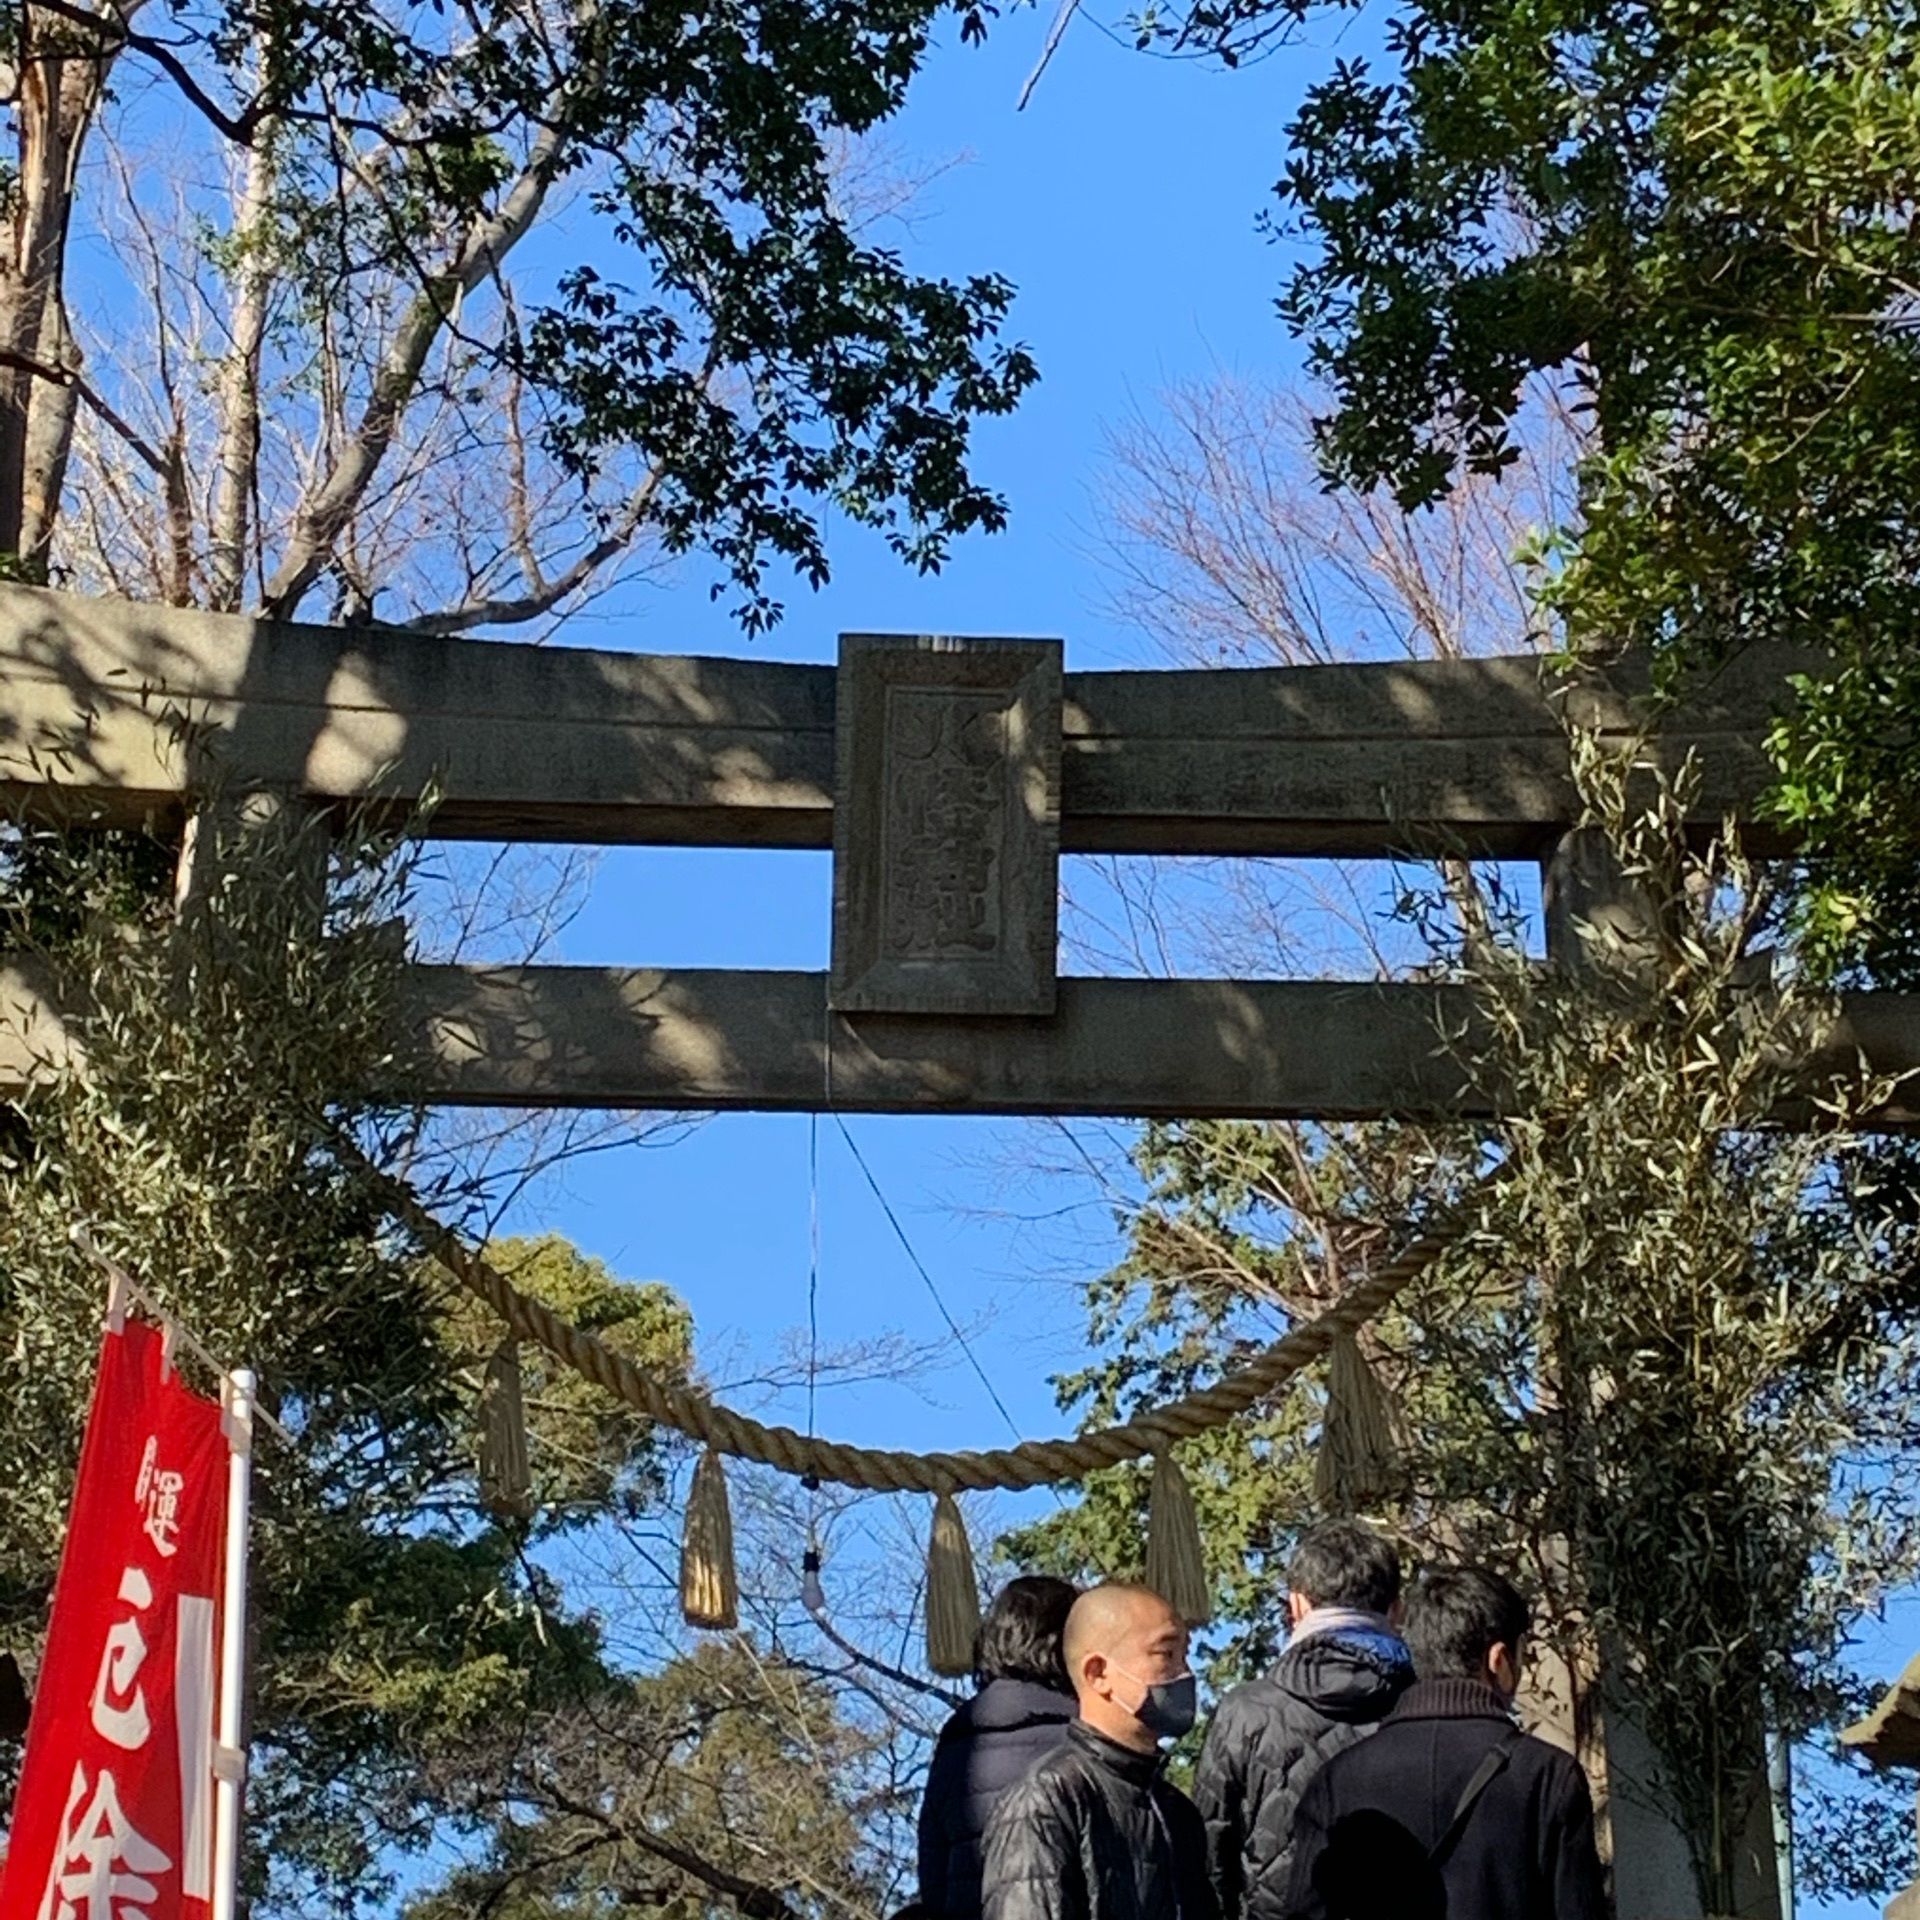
x=224, y=1050
x=1699, y=216
x=1667, y=1384
x=704, y=308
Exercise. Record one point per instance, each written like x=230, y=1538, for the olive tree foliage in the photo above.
x=225, y=1054
x=425, y=1671
x=1666, y=1383
x=442, y=315
x=1700, y=216
x=1721, y=1319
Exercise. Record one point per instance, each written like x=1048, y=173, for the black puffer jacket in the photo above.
x=992, y=1742
x=1095, y=1832
x=1269, y=1738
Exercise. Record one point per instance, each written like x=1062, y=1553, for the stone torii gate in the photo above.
x=947, y=776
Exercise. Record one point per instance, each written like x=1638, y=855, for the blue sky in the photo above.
x=1123, y=204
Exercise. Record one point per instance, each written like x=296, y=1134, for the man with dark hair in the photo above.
x=1343, y=1669
x=1449, y=1810
x=1020, y=1714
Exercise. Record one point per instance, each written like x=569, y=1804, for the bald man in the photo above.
x=1095, y=1832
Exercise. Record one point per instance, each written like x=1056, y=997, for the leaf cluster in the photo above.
x=1664, y=1382
x=720, y=317
x=1721, y=1315
x=224, y=1052
x=724, y=1782
x=1698, y=215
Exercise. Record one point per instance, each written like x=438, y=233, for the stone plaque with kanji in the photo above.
x=946, y=826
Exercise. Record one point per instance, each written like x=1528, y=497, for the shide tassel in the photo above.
x=1357, y=1468
x=1176, y=1560
x=953, y=1595
x=506, y=1480
x=709, y=1586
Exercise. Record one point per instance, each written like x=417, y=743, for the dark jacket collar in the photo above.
x=1137, y=1769
x=1451, y=1700
x=1003, y=1705
x=1346, y=1676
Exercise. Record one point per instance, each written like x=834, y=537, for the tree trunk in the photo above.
x=63, y=69
x=50, y=414
x=336, y=497
x=239, y=449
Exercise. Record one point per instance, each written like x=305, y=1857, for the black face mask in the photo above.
x=1170, y=1708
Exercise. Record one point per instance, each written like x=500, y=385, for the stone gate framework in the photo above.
x=947, y=776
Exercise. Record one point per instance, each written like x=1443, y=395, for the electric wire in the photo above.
x=920, y=1267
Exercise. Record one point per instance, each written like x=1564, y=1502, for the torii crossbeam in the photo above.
x=948, y=776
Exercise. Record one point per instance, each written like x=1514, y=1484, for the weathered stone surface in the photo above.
x=105, y=707
x=36, y=1044
x=1385, y=756
x=766, y=1042
x=1890, y=1735
x=584, y=1036
x=1653, y=1875
x=115, y=710
x=1596, y=917
x=946, y=841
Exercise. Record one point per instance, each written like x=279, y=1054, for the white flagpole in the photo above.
x=230, y=1758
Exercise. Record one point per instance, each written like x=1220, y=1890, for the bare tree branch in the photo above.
x=487, y=243
x=549, y=594
x=136, y=442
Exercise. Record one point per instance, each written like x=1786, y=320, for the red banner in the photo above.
x=114, y=1817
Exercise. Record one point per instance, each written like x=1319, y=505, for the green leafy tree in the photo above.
x=223, y=1055
x=455, y=309
x=731, y=1780
x=1239, y=1230
x=1665, y=1384
x=590, y=1455
x=1698, y=218
x=446, y=317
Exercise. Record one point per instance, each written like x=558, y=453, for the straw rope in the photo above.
x=1032, y=1463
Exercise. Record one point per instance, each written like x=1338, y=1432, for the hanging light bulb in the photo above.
x=813, y=1596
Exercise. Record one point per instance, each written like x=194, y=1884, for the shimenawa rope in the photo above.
x=1032, y=1463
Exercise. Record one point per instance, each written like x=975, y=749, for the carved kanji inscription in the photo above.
x=946, y=826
